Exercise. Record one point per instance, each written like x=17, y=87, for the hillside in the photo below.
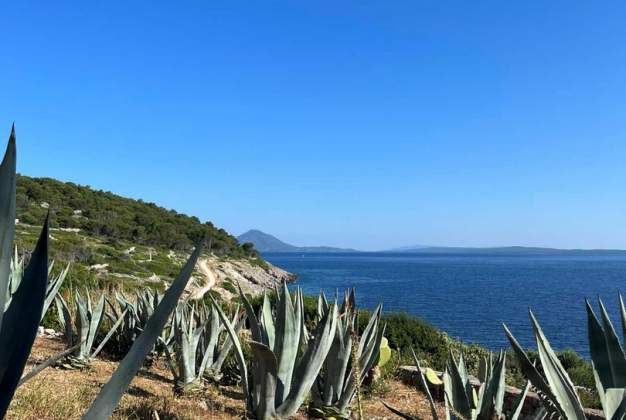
x=113, y=241
x=110, y=217
x=264, y=242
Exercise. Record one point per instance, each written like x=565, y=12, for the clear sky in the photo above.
x=368, y=124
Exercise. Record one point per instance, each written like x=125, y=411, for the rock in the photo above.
x=98, y=267
x=154, y=279
x=50, y=331
x=40, y=330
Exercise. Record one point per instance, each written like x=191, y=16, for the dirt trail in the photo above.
x=197, y=291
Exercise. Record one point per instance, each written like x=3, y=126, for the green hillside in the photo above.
x=111, y=240
x=111, y=218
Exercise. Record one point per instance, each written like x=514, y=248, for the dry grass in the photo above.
x=57, y=394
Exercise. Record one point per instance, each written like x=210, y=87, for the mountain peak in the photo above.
x=264, y=242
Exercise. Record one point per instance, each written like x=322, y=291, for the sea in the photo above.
x=470, y=296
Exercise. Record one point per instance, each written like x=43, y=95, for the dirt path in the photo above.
x=197, y=291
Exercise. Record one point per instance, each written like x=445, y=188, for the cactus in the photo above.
x=336, y=384
x=281, y=376
x=385, y=353
x=19, y=322
x=196, y=346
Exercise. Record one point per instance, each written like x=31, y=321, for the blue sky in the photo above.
x=350, y=123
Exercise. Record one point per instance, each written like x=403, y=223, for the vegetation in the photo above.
x=113, y=219
x=20, y=321
x=555, y=387
x=349, y=361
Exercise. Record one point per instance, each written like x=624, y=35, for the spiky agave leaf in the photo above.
x=557, y=388
x=424, y=385
x=54, y=285
x=455, y=384
x=310, y=364
x=609, y=363
x=556, y=375
x=19, y=326
x=112, y=392
x=7, y=217
x=241, y=362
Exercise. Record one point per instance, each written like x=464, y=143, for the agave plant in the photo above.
x=555, y=387
x=18, y=324
x=461, y=400
x=87, y=321
x=336, y=384
x=111, y=393
x=133, y=317
x=196, y=351
x=15, y=279
x=281, y=375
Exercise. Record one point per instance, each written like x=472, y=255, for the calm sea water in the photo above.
x=470, y=296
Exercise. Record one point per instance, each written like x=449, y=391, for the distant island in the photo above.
x=264, y=242
x=503, y=250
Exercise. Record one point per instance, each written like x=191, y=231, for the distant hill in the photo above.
x=264, y=242
x=505, y=250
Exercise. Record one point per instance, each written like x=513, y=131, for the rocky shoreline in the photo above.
x=254, y=277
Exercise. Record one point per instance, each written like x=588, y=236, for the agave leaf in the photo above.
x=337, y=361
x=613, y=400
x=519, y=404
x=400, y=413
x=598, y=348
x=455, y=389
x=227, y=345
x=19, y=326
x=53, y=289
x=97, y=315
x=557, y=377
x=243, y=370
x=424, y=385
x=255, y=328
x=112, y=392
x=49, y=362
x=286, y=343
x=267, y=321
x=266, y=361
x=65, y=319
x=622, y=312
x=310, y=363
x=7, y=218
x=109, y=334
x=528, y=368
x=617, y=361
x=492, y=396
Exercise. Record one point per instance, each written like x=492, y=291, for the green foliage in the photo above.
x=281, y=375
x=108, y=216
x=340, y=379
